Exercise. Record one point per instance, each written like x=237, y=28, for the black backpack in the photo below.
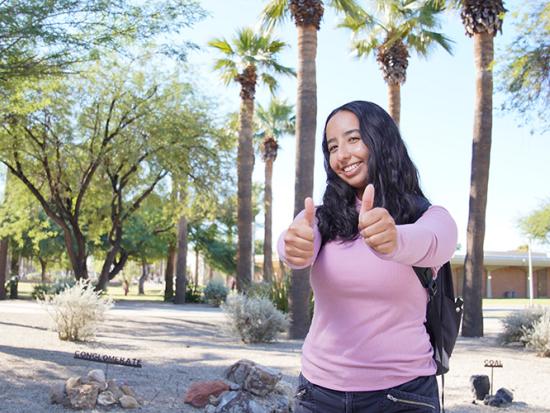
x=443, y=313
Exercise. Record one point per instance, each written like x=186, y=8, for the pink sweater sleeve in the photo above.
x=316, y=244
x=429, y=242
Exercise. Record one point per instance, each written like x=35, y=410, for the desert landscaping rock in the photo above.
x=181, y=345
x=201, y=392
x=480, y=386
x=128, y=402
x=97, y=376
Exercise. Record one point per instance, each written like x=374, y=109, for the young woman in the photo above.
x=367, y=349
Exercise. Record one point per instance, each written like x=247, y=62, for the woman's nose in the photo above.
x=343, y=152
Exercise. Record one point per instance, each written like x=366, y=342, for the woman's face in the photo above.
x=348, y=154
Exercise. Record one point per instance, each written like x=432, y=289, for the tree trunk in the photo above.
x=181, y=262
x=3, y=267
x=394, y=101
x=268, y=199
x=143, y=278
x=76, y=250
x=306, y=121
x=245, y=165
x=472, y=324
x=196, y=268
x=43, y=265
x=104, y=275
x=169, y=273
x=14, y=263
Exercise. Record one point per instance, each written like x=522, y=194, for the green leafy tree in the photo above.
x=392, y=31
x=307, y=15
x=536, y=225
x=40, y=38
x=274, y=122
x=525, y=76
x=247, y=58
x=116, y=134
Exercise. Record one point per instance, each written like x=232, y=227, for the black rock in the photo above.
x=480, y=385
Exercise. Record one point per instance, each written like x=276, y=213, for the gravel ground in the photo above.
x=180, y=345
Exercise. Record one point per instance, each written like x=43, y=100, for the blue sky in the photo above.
x=436, y=120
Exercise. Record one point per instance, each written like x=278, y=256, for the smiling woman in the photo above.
x=367, y=349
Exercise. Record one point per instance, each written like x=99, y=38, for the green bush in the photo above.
x=279, y=293
x=254, y=319
x=60, y=284
x=519, y=324
x=40, y=291
x=261, y=289
x=215, y=292
x=193, y=293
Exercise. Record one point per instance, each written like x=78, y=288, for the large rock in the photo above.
x=256, y=379
x=480, y=385
x=83, y=396
x=199, y=393
x=97, y=376
x=113, y=387
x=106, y=398
x=128, y=402
x=239, y=402
x=71, y=383
x=502, y=398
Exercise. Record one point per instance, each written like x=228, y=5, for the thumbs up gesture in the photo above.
x=299, y=237
x=376, y=225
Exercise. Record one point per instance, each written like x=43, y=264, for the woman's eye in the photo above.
x=354, y=139
x=332, y=149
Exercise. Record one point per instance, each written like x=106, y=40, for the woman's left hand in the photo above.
x=376, y=225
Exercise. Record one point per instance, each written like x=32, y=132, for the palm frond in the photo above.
x=270, y=82
x=276, y=11
x=348, y=7
x=222, y=45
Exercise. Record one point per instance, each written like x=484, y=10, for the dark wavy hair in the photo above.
x=390, y=170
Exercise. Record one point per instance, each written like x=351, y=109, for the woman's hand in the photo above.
x=299, y=238
x=376, y=225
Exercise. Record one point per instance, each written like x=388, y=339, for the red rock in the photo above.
x=199, y=392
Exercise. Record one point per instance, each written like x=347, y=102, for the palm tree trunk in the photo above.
x=472, y=324
x=268, y=199
x=245, y=165
x=306, y=122
x=394, y=101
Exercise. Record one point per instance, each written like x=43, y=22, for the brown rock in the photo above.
x=83, y=397
x=128, y=402
x=127, y=390
x=199, y=393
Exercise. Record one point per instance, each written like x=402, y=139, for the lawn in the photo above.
x=116, y=292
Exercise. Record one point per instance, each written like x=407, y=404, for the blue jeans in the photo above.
x=419, y=396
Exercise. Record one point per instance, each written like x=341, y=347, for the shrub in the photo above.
x=193, y=293
x=77, y=311
x=40, y=291
x=538, y=338
x=61, y=284
x=261, y=289
x=215, y=292
x=519, y=324
x=254, y=319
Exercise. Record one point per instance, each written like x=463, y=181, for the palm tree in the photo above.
x=307, y=15
x=397, y=27
x=246, y=59
x=274, y=122
x=482, y=20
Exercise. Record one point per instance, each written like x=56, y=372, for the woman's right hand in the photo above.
x=299, y=238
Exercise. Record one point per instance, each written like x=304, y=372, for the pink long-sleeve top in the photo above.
x=367, y=331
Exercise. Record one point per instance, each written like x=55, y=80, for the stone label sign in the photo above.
x=104, y=358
